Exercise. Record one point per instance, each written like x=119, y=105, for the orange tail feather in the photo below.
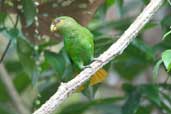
x=98, y=77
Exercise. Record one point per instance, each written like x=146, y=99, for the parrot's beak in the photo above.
x=53, y=28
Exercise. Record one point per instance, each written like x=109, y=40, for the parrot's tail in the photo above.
x=98, y=77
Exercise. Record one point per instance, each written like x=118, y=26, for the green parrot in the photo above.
x=79, y=45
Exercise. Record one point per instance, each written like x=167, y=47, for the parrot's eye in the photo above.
x=57, y=20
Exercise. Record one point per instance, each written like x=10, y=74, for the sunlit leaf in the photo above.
x=166, y=58
x=166, y=35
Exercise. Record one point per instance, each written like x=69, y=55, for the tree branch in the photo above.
x=12, y=91
x=116, y=49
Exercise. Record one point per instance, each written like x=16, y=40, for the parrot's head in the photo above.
x=62, y=23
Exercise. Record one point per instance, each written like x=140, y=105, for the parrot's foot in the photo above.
x=87, y=66
x=98, y=60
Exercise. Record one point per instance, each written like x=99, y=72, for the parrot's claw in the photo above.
x=87, y=66
x=98, y=60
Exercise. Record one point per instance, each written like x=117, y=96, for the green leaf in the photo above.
x=128, y=88
x=80, y=107
x=133, y=60
x=68, y=73
x=143, y=47
x=169, y=2
x=106, y=106
x=90, y=91
x=166, y=58
x=2, y=29
x=77, y=108
x=23, y=47
x=145, y=1
x=13, y=66
x=29, y=11
x=132, y=104
x=165, y=102
x=13, y=33
x=107, y=109
x=119, y=25
x=151, y=92
x=21, y=81
x=149, y=25
x=120, y=6
x=144, y=110
x=164, y=44
x=167, y=97
x=166, y=35
x=25, y=53
x=4, y=109
x=47, y=89
x=56, y=61
x=3, y=16
x=104, y=42
x=166, y=21
x=165, y=108
x=120, y=2
x=110, y=2
x=156, y=69
x=4, y=95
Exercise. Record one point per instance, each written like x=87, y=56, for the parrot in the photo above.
x=79, y=45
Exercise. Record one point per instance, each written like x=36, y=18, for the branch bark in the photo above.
x=12, y=91
x=116, y=49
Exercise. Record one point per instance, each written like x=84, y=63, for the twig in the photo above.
x=9, y=42
x=65, y=89
x=5, y=52
x=4, y=76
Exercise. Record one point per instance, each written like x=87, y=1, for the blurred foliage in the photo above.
x=39, y=67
